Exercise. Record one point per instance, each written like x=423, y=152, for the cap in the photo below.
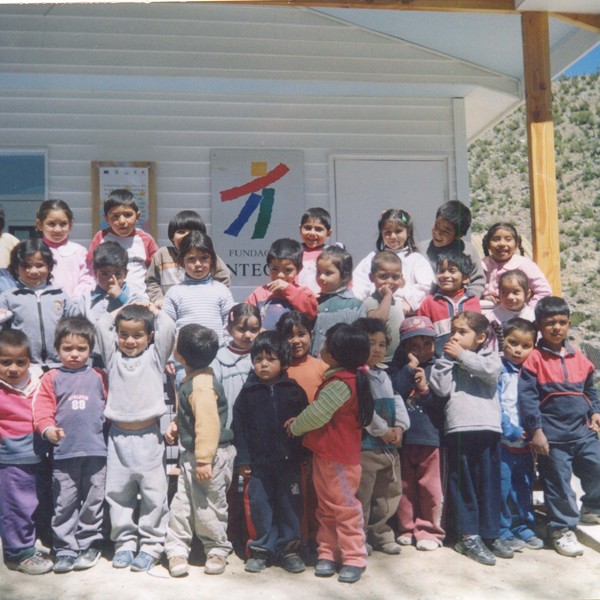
x=413, y=326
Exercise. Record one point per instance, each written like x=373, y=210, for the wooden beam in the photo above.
x=540, y=136
x=585, y=21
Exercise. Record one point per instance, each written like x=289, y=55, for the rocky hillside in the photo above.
x=500, y=190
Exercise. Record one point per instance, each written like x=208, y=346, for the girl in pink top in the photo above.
x=500, y=245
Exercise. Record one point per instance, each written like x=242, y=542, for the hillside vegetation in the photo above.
x=500, y=189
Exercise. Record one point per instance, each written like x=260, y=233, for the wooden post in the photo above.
x=540, y=136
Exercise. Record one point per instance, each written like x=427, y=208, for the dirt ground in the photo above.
x=443, y=574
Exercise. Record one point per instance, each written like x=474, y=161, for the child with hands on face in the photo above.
x=420, y=507
x=386, y=275
x=68, y=411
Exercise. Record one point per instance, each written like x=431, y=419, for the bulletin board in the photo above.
x=138, y=177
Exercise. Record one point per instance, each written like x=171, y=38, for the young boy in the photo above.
x=135, y=349
x=165, y=271
x=452, y=297
x=452, y=222
x=122, y=213
x=269, y=460
x=20, y=454
x=315, y=230
x=517, y=520
x=68, y=411
x=561, y=411
x=386, y=275
x=380, y=485
x=282, y=294
x=421, y=503
x=206, y=461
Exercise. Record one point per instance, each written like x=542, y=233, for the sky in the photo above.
x=590, y=63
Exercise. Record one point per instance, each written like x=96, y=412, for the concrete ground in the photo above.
x=443, y=574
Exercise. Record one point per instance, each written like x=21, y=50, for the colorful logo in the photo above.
x=260, y=196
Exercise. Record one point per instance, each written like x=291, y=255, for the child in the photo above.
x=452, y=222
x=307, y=370
x=7, y=242
x=268, y=459
x=514, y=294
x=386, y=275
x=420, y=508
x=315, y=230
x=20, y=452
x=467, y=374
x=517, y=520
x=68, y=412
x=165, y=271
x=452, y=296
x=122, y=213
x=560, y=409
x=500, y=244
x=396, y=233
x=206, y=461
x=54, y=220
x=135, y=349
x=199, y=299
x=333, y=426
x=35, y=306
x=283, y=293
x=336, y=303
x=380, y=484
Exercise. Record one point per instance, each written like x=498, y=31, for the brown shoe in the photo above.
x=215, y=564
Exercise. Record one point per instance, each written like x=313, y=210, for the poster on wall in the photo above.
x=257, y=197
x=137, y=177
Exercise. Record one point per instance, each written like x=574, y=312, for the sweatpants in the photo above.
x=421, y=504
x=474, y=482
x=18, y=501
x=136, y=464
x=341, y=535
x=273, y=508
x=78, y=490
x=201, y=508
x=379, y=493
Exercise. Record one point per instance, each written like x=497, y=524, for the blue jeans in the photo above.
x=581, y=458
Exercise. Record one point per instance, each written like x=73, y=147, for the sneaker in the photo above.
x=178, y=566
x=143, y=562
x=255, y=564
x=427, y=544
x=515, y=544
x=122, y=559
x=34, y=564
x=292, y=563
x=565, y=542
x=390, y=548
x=215, y=564
x=324, y=568
x=589, y=517
x=475, y=549
x=501, y=548
x=87, y=559
x=64, y=564
x=350, y=573
x=534, y=543
x=405, y=540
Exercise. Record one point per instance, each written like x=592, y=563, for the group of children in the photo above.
x=402, y=402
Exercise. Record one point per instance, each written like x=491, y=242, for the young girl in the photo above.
x=396, y=234
x=199, y=299
x=500, y=244
x=336, y=303
x=333, y=426
x=468, y=374
x=517, y=520
x=35, y=306
x=514, y=294
x=71, y=272
x=164, y=270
